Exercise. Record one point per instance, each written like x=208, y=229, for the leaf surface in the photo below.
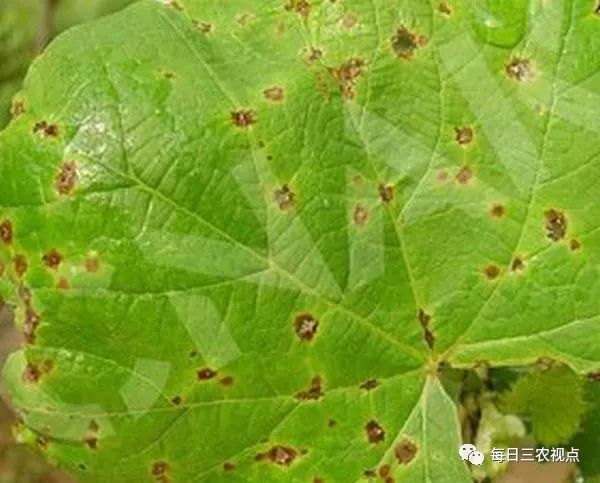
x=244, y=236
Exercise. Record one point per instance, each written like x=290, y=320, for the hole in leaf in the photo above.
x=284, y=198
x=520, y=69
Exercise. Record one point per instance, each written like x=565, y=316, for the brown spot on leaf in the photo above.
x=314, y=392
x=92, y=264
x=176, y=400
x=384, y=470
x=52, y=259
x=301, y=7
x=405, y=43
x=520, y=69
x=574, y=244
x=347, y=75
x=349, y=20
x=331, y=423
x=204, y=27
x=491, y=272
x=594, y=376
x=206, y=373
x=32, y=320
x=93, y=426
x=361, y=215
x=389, y=479
x=556, y=224
x=159, y=468
x=424, y=318
x=370, y=473
x=444, y=8
x=314, y=54
x=497, y=211
x=464, y=175
x=386, y=193
x=429, y=338
x=227, y=466
x=20, y=264
x=316, y=479
x=17, y=109
x=281, y=455
x=91, y=442
x=306, y=327
x=41, y=442
x=464, y=135
x=63, y=284
x=31, y=373
x=284, y=197
x=517, y=264
x=274, y=93
x=226, y=381
x=47, y=366
x=243, y=118
x=66, y=178
x=6, y=231
x=405, y=451
x=48, y=130
x=369, y=384
x=442, y=175
x=375, y=432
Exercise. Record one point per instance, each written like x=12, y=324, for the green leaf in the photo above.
x=553, y=399
x=588, y=438
x=244, y=236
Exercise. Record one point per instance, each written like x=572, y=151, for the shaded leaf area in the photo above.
x=26, y=27
x=241, y=238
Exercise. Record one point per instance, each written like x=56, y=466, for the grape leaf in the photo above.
x=242, y=238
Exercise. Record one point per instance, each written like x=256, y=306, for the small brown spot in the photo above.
x=464, y=175
x=243, y=117
x=497, y=211
x=227, y=466
x=574, y=244
x=20, y=264
x=349, y=20
x=66, y=178
x=306, y=327
x=442, y=175
x=384, y=470
x=464, y=135
x=314, y=392
x=31, y=373
x=274, y=93
x=17, y=109
x=370, y=473
x=206, y=374
x=175, y=4
x=92, y=264
x=177, y=400
x=389, y=479
x=375, y=432
x=48, y=130
x=404, y=43
x=6, y=231
x=361, y=215
x=32, y=320
x=316, y=479
x=47, y=366
x=41, y=442
x=284, y=197
x=594, y=376
x=556, y=224
x=347, y=75
x=386, y=193
x=491, y=272
x=429, y=338
x=93, y=426
x=517, y=264
x=369, y=384
x=424, y=318
x=52, y=259
x=204, y=27
x=331, y=423
x=281, y=455
x=63, y=284
x=301, y=7
x=226, y=381
x=313, y=54
x=159, y=468
x=444, y=8
x=520, y=69
x=91, y=442
x=245, y=19
x=405, y=451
